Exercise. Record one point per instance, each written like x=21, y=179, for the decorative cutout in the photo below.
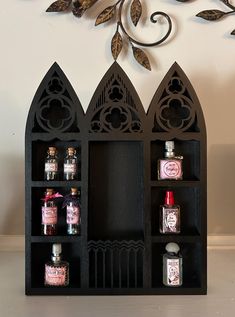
x=54, y=105
x=177, y=105
x=111, y=264
x=115, y=106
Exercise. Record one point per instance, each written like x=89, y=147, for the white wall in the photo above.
x=31, y=40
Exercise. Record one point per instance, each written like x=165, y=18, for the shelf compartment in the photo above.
x=116, y=264
x=190, y=150
x=36, y=204
x=41, y=253
x=39, y=153
x=192, y=263
x=116, y=185
x=188, y=198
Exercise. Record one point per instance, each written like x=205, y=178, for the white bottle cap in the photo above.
x=169, y=146
x=172, y=247
x=56, y=249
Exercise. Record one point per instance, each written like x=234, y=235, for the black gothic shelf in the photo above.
x=120, y=248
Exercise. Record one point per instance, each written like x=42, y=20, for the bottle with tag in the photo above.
x=56, y=270
x=172, y=266
x=70, y=164
x=169, y=215
x=51, y=165
x=73, y=213
x=170, y=167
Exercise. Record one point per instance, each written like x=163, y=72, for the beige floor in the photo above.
x=220, y=300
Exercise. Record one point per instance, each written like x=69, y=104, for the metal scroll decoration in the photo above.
x=115, y=11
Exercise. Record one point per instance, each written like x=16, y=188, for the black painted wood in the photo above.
x=120, y=248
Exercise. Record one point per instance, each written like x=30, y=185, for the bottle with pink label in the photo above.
x=170, y=167
x=172, y=266
x=73, y=213
x=49, y=213
x=169, y=215
x=70, y=164
x=56, y=270
x=51, y=165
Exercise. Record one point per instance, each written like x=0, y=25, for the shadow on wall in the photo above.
x=221, y=189
x=12, y=196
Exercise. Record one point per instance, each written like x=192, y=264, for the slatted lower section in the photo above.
x=116, y=264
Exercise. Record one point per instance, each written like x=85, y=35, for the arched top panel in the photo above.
x=175, y=107
x=115, y=105
x=55, y=107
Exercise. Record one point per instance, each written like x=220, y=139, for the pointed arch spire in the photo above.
x=55, y=107
x=115, y=105
x=175, y=107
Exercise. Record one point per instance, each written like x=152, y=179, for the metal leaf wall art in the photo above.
x=115, y=12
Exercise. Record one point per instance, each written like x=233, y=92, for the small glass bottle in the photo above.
x=73, y=214
x=56, y=271
x=169, y=215
x=70, y=164
x=172, y=266
x=170, y=167
x=49, y=214
x=51, y=165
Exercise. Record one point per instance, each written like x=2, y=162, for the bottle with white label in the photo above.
x=70, y=164
x=73, y=214
x=49, y=214
x=169, y=215
x=51, y=165
x=170, y=167
x=56, y=270
x=172, y=266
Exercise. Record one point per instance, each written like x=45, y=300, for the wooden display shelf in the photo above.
x=120, y=248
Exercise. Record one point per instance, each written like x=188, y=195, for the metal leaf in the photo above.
x=211, y=15
x=136, y=11
x=233, y=32
x=80, y=6
x=59, y=6
x=141, y=57
x=105, y=15
x=116, y=45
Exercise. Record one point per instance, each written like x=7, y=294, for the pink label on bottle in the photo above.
x=49, y=215
x=173, y=272
x=51, y=167
x=70, y=168
x=170, y=169
x=73, y=215
x=170, y=220
x=55, y=275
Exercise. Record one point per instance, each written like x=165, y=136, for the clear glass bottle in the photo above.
x=172, y=266
x=169, y=215
x=73, y=214
x=49, y=214
x=56, y=271
x=70, y=164
x=170, y=167
x=51, y=165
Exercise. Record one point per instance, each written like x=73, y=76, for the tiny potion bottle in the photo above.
x=169, y=215
x=170, y=167
x=172, y=266
x=73, y=214
x=70, y=164
x=49, y=214
x=56, y=271
x=51, y=165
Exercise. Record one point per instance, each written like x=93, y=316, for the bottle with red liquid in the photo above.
x=170, y=215
x=49, y=214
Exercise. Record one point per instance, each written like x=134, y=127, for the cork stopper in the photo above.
x=74, y=191
x=49, y=191
x=71, y=150
x=172, y=247
x=52, y=150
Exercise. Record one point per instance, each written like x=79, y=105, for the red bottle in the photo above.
x=169, y=215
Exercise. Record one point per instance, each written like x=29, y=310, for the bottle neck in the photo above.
x=169, y=154
x=55, y=258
